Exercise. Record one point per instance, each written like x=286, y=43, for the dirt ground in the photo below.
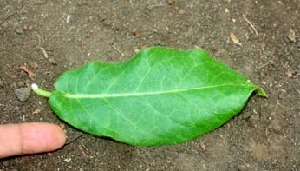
x=260, y=39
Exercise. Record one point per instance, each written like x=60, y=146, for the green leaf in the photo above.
x=160, y=97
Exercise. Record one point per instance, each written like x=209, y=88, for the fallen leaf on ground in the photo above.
x=28, y=71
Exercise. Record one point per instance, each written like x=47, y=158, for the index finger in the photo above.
x=30, y=138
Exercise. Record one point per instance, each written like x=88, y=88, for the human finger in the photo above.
x=30, y=138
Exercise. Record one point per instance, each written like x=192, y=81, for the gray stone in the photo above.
x=22, y=94
x=19, y=31
x=292, y=36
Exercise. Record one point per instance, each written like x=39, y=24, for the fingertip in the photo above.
x=41, y=137
x=30, y=138
x=58, y=136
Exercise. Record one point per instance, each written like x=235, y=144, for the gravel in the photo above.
x=22, y=94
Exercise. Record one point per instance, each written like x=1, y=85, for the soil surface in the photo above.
x=40, y=39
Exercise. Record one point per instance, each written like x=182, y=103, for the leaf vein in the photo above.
x=111, y=95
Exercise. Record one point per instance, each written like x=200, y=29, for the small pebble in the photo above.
x=22, y=94
x=20, y=31
x=247, y=115
x=292, y=36
x=52, y=61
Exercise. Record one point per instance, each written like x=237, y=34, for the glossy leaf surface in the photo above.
x=160, y=97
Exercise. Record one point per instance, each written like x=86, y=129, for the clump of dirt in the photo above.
x=42, y=39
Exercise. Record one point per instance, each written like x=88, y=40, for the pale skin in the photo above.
x=30, y=138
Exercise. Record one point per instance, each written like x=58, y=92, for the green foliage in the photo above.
x=160, y=97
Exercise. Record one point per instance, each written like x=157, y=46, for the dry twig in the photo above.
x=43, y=51
x=118, y=50
x=251, y=25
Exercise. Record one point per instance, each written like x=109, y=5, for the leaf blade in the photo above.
x=153, y=98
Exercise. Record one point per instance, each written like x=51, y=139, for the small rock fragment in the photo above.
x=22, y=94
x=52, y=61
x=247, y=115
x=234, y=39
x=25, y=27
x=19, y=31
x=292, y=36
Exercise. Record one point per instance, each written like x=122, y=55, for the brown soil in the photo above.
x=265, y=136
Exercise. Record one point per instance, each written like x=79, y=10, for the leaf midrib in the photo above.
x=93, y=96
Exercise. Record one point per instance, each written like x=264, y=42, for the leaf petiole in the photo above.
x=40, y=92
